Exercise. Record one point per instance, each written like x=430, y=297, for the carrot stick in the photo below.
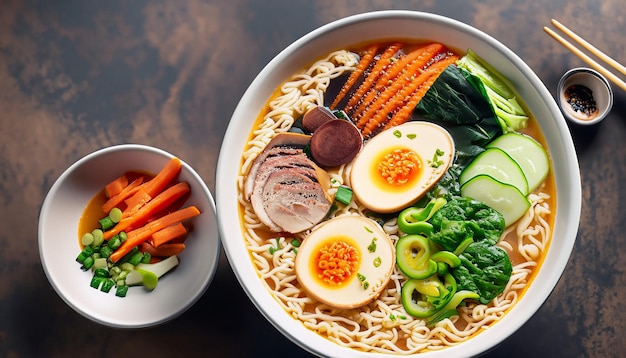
x=135, y=202
x=374, y=74
x=381, y=118
x=365, y=61
x=165, y=250
x=142, y=234
x=123, y=195
x=415, y=59
x=422, y=55
x=115, y=187
x=168, y=234
x=376, y=113
x=160, y=181
x=154, y=206
x=403, y=115
x=388, y=77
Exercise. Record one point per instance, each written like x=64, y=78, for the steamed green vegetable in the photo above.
x=457, y=101
x=464, y=218
x=503, y=98
x=148, y=274
x=485, y=269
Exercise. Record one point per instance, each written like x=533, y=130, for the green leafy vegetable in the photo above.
x=457, y=101
x=463, y=218
x=503, y=98
x=485, y=269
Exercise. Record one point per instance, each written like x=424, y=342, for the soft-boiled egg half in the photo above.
x=345, y=262
x=397, y=166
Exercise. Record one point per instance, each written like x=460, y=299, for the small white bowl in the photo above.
x=59, y=246
x=594, y=90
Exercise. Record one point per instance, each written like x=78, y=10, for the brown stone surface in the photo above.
x=77, y=76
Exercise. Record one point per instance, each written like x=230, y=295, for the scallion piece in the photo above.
x=88, y=262
x=121, y=291
x=101, y=272
x=98, y=238
x=87, y=239
x=96, y=282
x=146, y=258
x=106, y=223
x=136, y=258
x=114, y=242
x=105, y=251
x=107, y=285
x=344, y=195
x=115, y=215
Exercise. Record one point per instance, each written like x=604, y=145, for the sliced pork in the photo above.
x=289, y=192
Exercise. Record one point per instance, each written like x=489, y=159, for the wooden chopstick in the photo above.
x=591, y=62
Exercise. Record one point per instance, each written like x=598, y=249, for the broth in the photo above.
x=397, y=332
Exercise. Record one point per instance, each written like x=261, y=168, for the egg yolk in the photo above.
x=336, y=261
x=396, y=168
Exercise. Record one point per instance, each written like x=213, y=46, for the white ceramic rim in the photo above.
x=534, y=93
x=197, y=289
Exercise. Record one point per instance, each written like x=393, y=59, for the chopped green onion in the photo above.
x=127, y=257
x=114, y=242
x=98, y=238
x=87, y=239
x=136, y=258
x=100, y=272
x=115, y=215
x=96, y=282
x=106, y=251
x=100, y=263
x=344, y=195
x=106, y=223
x=107, y=285
x=88, y=262
x=146, y=258
x=121, y=291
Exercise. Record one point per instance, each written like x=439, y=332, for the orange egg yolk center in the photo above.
x=398, y=167
x=336, y=261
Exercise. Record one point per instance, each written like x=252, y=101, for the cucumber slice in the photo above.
x=499, y=165
x=528, y=153
x=504, y=198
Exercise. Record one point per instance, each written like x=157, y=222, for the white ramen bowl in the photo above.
x=59, y=241
x=388, y=25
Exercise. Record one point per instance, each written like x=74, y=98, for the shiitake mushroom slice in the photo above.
x=335, y=142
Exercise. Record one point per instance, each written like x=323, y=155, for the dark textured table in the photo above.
x=76, y=76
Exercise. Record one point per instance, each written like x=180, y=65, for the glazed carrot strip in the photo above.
x=421, y=56
x=373, y=75
x=393, y=95
x=116, y=186
x=150, y=188
x=160, y=181
x=135, y=202
x=168, y=234
x=404, y=114
x=365, y=61
x=142, y=234
x=154, y=206
x=128, y=191
x=163, y=250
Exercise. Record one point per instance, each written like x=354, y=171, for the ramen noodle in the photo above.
x=382, y=325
